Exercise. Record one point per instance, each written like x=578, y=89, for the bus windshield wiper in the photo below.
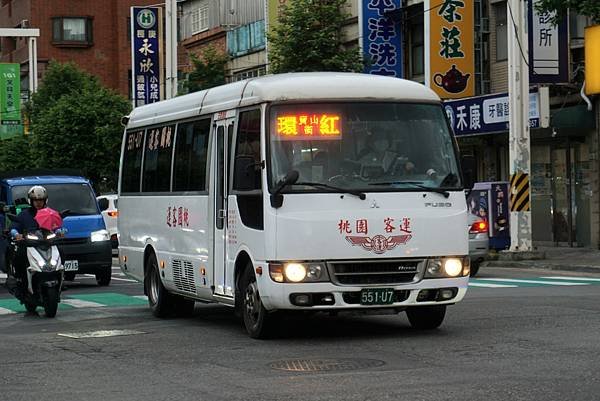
x=354, y=192
x=417, y=184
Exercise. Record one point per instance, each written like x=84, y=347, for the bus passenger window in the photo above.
x=132, y=161
x=157, y=159
x=191, y=150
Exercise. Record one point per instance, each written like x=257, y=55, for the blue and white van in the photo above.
x=86, y=248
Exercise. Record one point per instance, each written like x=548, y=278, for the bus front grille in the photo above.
x=376, y=272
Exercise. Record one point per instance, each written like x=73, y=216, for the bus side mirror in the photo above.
x=103, y=203
x=244, y=175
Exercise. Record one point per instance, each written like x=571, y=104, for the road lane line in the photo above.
x=144, y=297
x=4, y=311
x=490, y=285
x=80, y=303
x=511, y=280
x=125, y=279
x=573, y=278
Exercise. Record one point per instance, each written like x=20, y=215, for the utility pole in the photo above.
x=171, y=48
x=519, y=133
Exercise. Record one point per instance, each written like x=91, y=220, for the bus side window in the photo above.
x=132, y=161
x=156, y=175
x=191, y=150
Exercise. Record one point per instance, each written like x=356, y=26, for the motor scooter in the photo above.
x=42, y=283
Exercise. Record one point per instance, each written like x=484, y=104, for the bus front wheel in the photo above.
x=426, y=317
x=257, y=320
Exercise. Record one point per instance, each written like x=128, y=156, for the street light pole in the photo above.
x=519, y=133
x=31, y=35
x=171, y=48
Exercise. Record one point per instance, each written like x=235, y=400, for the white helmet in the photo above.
x=37, y=192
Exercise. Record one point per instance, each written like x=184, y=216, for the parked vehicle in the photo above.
x=86, y=248
x=41, y=286
x=478, y=242
x=110, y=215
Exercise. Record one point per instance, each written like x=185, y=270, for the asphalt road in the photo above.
x=535, y=338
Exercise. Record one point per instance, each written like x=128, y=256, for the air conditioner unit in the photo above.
x=25, y=24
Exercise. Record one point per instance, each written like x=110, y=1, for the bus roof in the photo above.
x=282, y=87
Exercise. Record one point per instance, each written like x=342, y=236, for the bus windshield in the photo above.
x=362, y=146
x=77, y=198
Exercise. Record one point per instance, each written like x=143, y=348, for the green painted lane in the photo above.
x=104, y=299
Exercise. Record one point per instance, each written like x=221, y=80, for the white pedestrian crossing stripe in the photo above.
x=564, y=281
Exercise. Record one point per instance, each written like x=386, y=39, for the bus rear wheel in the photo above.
x=257, y=320
x=159, y=298
x=426, y=317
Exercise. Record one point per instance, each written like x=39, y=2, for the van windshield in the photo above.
x=78, y=198
x=363, y=146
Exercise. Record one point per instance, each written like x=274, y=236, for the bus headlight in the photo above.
x=100, y=235
x=298, y=272
x=447, y=267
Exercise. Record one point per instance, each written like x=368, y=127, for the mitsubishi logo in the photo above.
x=374, y=204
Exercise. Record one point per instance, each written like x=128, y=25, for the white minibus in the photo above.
x=323, y=192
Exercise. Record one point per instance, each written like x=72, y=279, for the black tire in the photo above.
x=103, y=277
x=258, y=321
x=474, y=268
x=70, y=276
x=51, y=296
x=159, y=299
x=426, y=317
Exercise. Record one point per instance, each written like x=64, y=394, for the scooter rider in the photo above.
x=37, y=197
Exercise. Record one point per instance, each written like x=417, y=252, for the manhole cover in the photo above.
x=319, y=365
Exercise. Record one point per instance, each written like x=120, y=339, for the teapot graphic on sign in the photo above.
x=453, y=81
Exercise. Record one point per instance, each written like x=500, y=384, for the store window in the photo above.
x=72, y=30
x=501, y=32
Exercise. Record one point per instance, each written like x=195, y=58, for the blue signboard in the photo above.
x=487, y=114
x=145, y=51
x=382, y=37
x=548, y=47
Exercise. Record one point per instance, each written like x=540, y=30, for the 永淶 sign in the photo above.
x=146, y=45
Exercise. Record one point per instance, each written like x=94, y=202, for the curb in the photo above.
x=541, y=265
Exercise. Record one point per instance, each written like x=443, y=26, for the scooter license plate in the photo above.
x=71, y=265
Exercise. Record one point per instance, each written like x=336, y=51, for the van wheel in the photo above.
x=426, y=317
x=474, y=268
x=159, y=299
x=257, y=320
x=104, y=276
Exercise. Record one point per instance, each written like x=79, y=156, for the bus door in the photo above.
x=224, y=125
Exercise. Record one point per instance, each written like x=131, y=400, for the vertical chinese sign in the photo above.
x=548, y=47
x=10, y=101
x=146, y=45
x=451, y=48
x=382, y=37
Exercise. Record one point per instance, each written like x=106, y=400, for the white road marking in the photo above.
x=125, y=279
x=4, y=311
x=511, y=280
x=573, y=278
x=490, y=285
x=80, y=303
x=144, y=297
x=101, y=333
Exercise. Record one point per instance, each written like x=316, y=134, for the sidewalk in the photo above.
x=552, y=258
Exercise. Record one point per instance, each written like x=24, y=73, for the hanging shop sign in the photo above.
x=10, y=101
x=487, y=114
x=451, y=48
x=146, y=45
x=382, y=37
x=548, y=47
x=592, y=60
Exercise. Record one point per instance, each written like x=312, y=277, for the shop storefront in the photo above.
x=563, y=163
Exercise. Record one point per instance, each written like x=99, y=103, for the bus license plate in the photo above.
x=377, y=296
x=71, y=265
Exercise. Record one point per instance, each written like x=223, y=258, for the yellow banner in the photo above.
x=452, y=58
x=592, y=60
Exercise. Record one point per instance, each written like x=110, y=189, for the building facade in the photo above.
x=95, y=35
